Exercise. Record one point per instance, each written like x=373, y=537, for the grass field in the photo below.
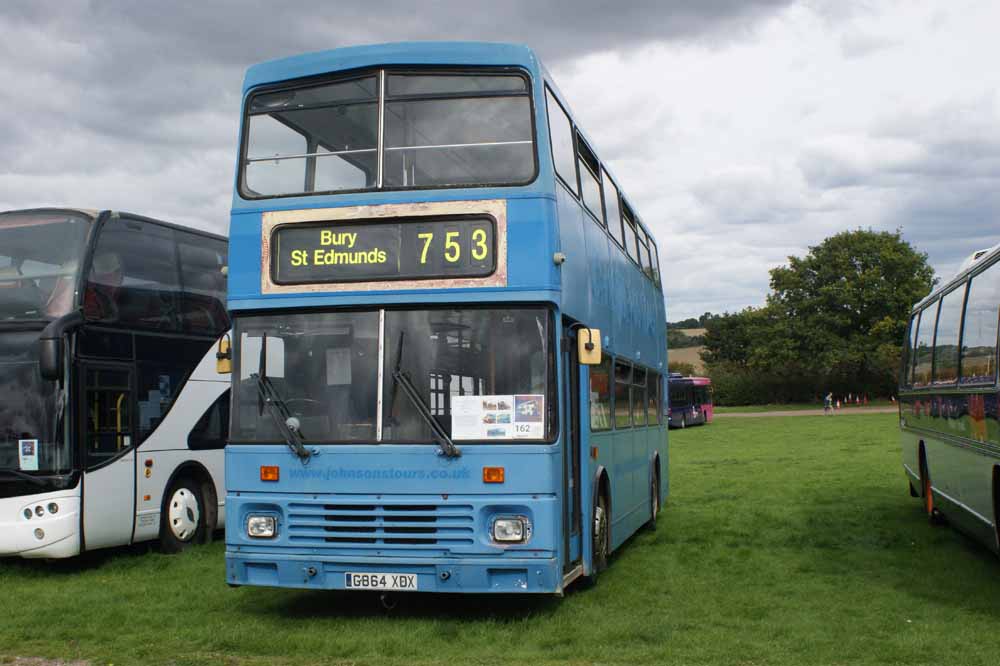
x=785, y=541
x=746, y=409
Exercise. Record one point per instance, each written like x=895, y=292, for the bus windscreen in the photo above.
x=484, y=375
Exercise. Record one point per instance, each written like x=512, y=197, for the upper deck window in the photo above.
x=39, y=255
x=613, y=207
x=631, y=244
x=318, y=139
x=590, y=180
x=438, y=130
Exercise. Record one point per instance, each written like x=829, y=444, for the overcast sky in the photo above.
x=744, y=131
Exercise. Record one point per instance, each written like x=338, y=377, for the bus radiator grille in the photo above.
x=382, y=524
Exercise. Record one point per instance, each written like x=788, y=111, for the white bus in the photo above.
x=948, y=406
x=112, y=417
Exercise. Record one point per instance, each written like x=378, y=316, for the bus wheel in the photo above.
x=602, y=535
x=933, y=515
x=654, y=504
x=183, y=518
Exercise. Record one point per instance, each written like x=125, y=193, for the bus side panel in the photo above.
x=575, y=282
x=167, y=449
x=589, y=299
x=623, y=325
x=962, y=480
x=622, y=493
x=911, y=457
x=531, y=266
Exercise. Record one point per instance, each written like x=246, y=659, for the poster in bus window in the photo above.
x=27, y=454
x=486, y=417
x=529, y=416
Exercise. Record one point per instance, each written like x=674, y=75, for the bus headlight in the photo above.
x=53, y=508
x=261, y=527
x=511, y=529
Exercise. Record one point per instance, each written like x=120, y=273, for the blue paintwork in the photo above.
x=597, y=286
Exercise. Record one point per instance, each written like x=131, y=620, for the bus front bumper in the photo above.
x=466, y=575
x=49, y=535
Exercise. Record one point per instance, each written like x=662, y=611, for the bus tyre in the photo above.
x=183, y=519
x=654, y=504
x=934, y=517
x=602, y=535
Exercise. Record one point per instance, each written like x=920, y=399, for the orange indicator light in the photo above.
x=269, y=472
x=593, y=452
x=493, y=475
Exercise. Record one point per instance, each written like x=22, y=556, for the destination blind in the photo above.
x=371, y=251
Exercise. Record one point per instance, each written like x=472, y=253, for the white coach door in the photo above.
x=107, y=414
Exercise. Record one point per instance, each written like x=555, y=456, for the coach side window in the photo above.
x=923, y=351
x=613, y=208
x=623, y=385
x=212, y=429
x=561, y=138
x=133, y=278
x=203, y=299
x=590, y=180
x=979, y=339
x=946, y=341
x=600, y=395
x=910, y=352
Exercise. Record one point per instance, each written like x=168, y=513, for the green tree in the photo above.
x=683, y=367
x=841, y=311
x=733, y=338
x=834, y=320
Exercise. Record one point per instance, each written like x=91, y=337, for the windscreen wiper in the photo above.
x=402, y=379
x=287, y=425
x=18, y=474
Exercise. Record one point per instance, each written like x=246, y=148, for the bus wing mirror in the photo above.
x=588, y=342
x=50, y=345
x=50, y=358
x=224, y=357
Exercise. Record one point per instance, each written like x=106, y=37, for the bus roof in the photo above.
x=400, y=53
x=978, y=260
x=93, y=214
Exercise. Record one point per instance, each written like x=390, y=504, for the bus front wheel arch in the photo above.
x=189, y=513
x=600, y=528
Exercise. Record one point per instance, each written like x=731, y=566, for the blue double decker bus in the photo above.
x=449, y=342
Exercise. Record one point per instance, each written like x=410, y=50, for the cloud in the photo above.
x=742, y=132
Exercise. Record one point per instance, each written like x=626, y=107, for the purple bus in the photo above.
x=690, y=400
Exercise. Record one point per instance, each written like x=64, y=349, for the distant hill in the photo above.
x=690, y=355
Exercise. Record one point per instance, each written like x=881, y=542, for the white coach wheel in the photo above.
x=184, y=514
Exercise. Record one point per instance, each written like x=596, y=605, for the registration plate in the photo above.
x=380, y=581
